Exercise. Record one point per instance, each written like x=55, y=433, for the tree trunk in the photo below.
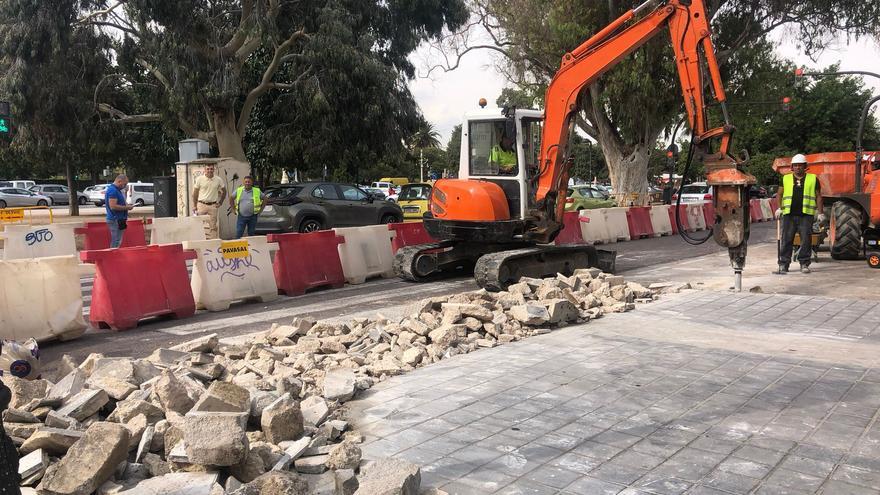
x=228, y=138
x=72, y=197
x=629, y=174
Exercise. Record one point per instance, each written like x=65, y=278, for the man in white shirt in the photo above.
x=208, y=194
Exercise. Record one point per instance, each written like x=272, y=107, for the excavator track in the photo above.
x=496, y=266
x=496, y=271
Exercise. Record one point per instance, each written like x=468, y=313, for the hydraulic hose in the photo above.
x=693, y=241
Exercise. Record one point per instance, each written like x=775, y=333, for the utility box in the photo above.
x=165, y=198
x=230, y=170
x=193, y=149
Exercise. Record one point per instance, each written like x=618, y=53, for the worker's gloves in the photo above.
x=822, y=218
x=778, y=213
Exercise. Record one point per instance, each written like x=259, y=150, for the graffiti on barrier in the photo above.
x=42, y=235
x=233, y=267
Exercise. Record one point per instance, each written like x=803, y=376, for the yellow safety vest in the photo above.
x=505, y=159
x=809, y=206
x=257, y=195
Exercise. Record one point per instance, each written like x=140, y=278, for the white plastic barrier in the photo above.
x=39, y=241
x=660, y=221
x=220, y=278
x=177, y=230
x=366, y=252
x=593, y=227
x=767, y=213
x=615, y=219
x=41, y=298
x=696, y=219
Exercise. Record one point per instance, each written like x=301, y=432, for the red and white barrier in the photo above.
x=661, y=222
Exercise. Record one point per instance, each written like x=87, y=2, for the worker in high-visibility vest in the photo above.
x=248, y=203
x=800, y=204
x=504, y=156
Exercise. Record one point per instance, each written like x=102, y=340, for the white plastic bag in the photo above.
x=20, y=360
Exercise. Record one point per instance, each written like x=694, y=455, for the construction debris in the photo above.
x=265, y=417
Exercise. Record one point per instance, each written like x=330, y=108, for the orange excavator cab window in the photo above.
x=492, y=152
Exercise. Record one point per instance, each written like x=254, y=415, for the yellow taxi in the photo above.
x=413, y=200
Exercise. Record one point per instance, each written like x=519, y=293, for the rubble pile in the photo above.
x=204, y=417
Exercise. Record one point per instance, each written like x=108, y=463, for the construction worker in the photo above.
x=503, y=156
x=248, y=203
x=800, y=199
x=208, y=194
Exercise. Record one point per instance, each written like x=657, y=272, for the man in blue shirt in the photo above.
x=117, y=210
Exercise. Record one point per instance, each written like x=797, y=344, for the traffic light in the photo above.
x=786, y=104
x=4, y=117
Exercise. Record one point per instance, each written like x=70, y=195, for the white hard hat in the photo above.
x=799, y=158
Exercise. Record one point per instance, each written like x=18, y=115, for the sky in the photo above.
x=445, y=97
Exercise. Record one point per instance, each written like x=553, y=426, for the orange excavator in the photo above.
x=507, y=203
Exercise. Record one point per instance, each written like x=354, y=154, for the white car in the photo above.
x=17, y=184
x=388, y=189
x=139, y=193
x=96, y=194
x=696, y=192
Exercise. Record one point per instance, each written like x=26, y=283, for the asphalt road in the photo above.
x=367, y=298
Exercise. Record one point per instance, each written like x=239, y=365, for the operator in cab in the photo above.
x=800, y=203
x=503, y=154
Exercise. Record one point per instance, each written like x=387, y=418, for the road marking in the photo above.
x=338, y=303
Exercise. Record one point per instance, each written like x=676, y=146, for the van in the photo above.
x=397, y=181
x=18, y=184
x=139, y=193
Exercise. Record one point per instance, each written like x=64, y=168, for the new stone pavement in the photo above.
x=699, y=393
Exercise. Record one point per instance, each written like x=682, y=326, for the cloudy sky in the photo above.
x=445, y=97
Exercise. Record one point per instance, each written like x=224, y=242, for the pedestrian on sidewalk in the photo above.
x=208, y=194
x=800, y=199
x=248, y=203
x=117, y=210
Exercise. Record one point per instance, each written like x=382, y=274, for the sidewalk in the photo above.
x=700, y=393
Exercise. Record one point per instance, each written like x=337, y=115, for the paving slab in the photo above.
x=700, y=392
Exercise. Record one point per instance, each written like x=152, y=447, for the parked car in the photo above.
x=17, y=184
x=388, y=188
x=13, y=196
x=311, y=206
x=587, y=198
x=693, y=193
x=95, y=194
x=413, y=200
x=139, y=193
x=60, y=194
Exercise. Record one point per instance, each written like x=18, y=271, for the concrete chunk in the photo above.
x=206, y=343
x=314, y=410
x=215, y=439
x=128, y=409
x=312, y=465
x=89, y=462
x=171, y=393
x=339, y=384
x=275, y=483
x=530, y=314
x=24, y=391
x=224, y=397
x=390, y=476
x=68, y=386
x=176, y=484
x=33, y=464
x=84, y=404
x=346, y=455
x=53, y=441
x=282, y=420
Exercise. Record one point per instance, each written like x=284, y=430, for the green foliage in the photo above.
x=453, y=147
x=589, y=163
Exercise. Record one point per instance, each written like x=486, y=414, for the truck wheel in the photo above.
x=846, y=231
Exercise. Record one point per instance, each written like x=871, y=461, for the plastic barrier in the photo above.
x=755, y=210
x=661, y=223
x=366, y=252
x=120, y=298
x=682, y=218
x=571, y=230
x=39, y=241
x=774, y=204
x=709, y=213
x=227, y=271
x=409, y=234
x=615, y=220
x=638, y=220
x=175, y=230
x=593, y=227
x=696, y=219
x=41, y=298
x=97, y=235
x=296, y=273
x=766, y=210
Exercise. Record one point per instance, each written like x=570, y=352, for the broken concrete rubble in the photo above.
x=250, y=416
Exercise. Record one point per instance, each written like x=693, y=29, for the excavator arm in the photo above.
x=689, y=31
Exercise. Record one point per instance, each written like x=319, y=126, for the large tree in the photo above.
x=200, y=53
x=628, y=108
